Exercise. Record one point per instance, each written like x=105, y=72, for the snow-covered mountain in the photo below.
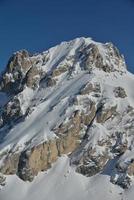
x=67, y=124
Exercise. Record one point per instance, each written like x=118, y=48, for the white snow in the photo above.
x=24, y=98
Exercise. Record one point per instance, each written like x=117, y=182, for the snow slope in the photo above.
x=60, y=182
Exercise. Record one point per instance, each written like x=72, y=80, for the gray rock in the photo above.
x=120, y=92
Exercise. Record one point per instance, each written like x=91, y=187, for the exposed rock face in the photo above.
x=18, y=65
x=18, y=61
x=86, y=118
x=22, y=70
x=90, y=164
x=120, y=92
x=122, y=180
x=11, y=112
x=105, y=114
x=121, y=144
x=50, y=81
x=59, y=71
x=130, y=169
x=33, y=77
x=69, y=134
x=11, y=162
x=90, y=88
x=2, y=181
x=92, y=57
x=37, y=159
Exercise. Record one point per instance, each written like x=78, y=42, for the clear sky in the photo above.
x=36, y=25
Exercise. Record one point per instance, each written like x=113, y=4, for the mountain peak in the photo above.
x=79, y=54
x=74, y=99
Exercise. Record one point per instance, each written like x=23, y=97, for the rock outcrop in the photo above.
x=2, y=181
x=120, y=92
x=105, y=114
x=41, y=157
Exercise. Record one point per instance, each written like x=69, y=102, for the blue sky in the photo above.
x=36, y=25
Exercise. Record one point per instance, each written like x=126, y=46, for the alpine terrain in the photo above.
x=67, y=124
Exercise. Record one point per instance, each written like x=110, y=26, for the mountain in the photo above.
x=67, y=124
